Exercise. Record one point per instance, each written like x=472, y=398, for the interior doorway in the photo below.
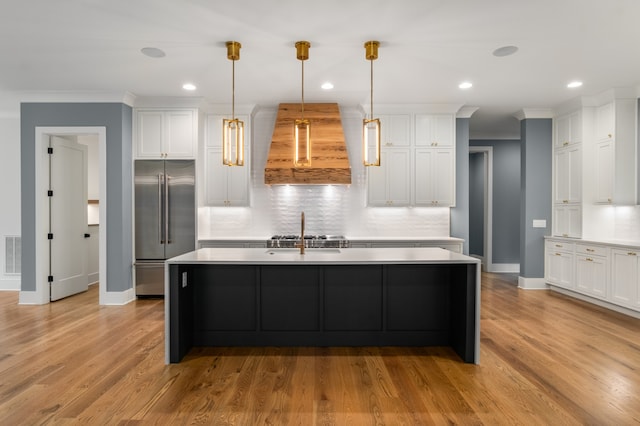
x=96, y=135
x=481, y=205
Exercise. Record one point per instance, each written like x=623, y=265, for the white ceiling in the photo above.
x=427, y=48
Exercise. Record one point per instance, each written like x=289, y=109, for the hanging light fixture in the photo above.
x=302, y=141
x=371, y=126
x=233, y=130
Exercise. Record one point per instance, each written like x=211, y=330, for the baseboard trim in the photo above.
x=118, y=297
x=532, y=283
x=93, y=278
x=593, y=300
x=510, y=268
x=31, y=298
x=9, y=285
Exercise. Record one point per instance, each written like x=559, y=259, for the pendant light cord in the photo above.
x=371, y=60
x=302, y=89
x=233, y=89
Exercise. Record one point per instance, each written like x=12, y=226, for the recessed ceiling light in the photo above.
x=189, y=86
x=505, y=51
x=153, y=52
x=574, y=84
x=465, y=85
x=327, y=86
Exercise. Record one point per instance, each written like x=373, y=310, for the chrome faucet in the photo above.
x=301, y=244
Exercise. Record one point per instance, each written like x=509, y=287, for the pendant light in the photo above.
x=302, y=141
x=371, y=126
x=233, y=130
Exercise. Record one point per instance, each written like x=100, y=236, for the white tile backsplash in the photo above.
x=329, y=209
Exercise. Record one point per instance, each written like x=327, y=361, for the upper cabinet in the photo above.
x=225, y=185
x=568, y=130
x=436, y=130
x=615, y=152
x=395, y=130
x=165, y=133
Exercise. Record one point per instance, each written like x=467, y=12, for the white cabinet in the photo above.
x=163, y=133
x=434, y=177
x=568, y=174
x=435, y=130
x=395, y=130
x=568, y=130
x=224, y=185
x=390, y=184
x=592, y=270
x=615, y=156
x=624, y=278
x=567, y=220
x=559, y=263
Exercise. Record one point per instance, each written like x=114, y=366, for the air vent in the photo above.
x=13, y=253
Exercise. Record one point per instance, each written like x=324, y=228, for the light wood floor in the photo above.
x=545, y=359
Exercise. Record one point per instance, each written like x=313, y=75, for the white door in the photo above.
x=68, y=217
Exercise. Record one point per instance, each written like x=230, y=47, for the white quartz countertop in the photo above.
x=329, y=256
x=619, y=243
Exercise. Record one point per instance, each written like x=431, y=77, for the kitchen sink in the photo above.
x=306, y=250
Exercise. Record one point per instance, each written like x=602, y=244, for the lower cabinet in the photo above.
x=608, y=273
x=624, y=278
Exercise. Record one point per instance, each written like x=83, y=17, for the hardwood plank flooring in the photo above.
x=545, y=359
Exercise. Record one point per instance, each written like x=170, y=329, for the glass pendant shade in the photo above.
x=371, y=141
x=232, y=142
x=302, y=144
x=233, y=129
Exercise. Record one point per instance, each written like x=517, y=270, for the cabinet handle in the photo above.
x=558, y=254
x=559, y=245
x=389, y=144
x=565, y=201
x=434, y=143
x=590, y=250
x=588, y=259
x=609, y=135
x=565, y=143
x=632, y=253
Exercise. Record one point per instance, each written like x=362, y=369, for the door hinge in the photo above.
x=50, y=193
x=50, y=278
x=50, y=150
x=50, y=236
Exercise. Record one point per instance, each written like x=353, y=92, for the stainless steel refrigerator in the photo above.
x=164, y=218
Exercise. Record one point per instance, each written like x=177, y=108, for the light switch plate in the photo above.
x=539, y=223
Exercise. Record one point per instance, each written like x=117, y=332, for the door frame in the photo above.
x=41, y=294
x=488, y=203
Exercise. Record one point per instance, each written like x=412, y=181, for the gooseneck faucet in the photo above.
x=301, y=244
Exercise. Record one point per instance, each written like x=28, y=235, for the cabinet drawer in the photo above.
x=559, y=246
x=591, y=250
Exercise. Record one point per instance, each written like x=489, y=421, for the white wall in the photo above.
x=329, y=209
x=9, y=187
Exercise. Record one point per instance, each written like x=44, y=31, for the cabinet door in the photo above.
x=567, y=220
x=559, y=268
x=434, y=130
x=396, y=130
x=605, y=171
x=389, y=184
x=149, y=134
x=563, y=131
x=568, y=174
x=237, y=185
x=591, y=275
x=605, y=122
x=434, y=177
x=624, y=278
x=180, y=141
x=216, y=178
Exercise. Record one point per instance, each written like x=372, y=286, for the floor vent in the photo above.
x=13, y=252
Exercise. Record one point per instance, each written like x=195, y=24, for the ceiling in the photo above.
x=427, y=47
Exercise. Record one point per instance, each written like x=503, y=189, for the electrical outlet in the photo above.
x=184, y=279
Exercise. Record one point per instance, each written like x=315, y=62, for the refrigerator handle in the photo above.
x=160, y=230
x=166, y=208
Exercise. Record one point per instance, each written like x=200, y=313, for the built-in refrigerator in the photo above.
x=164, y=218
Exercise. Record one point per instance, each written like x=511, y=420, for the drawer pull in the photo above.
x=558, y=254
x=589, y=259
x=632, y=253
x=559, y=245
x=590, y=250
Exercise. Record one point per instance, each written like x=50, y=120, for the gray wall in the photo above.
x=506, y=199
x=535, y=189
x=117, y=118
x=476, y=204
x=460, y=213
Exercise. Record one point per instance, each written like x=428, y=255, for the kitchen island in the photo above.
x=326, y=297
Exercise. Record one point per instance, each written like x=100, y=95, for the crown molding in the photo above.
x=466, y=112
x=528, y=113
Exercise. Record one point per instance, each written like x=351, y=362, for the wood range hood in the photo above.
x=329, y=157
